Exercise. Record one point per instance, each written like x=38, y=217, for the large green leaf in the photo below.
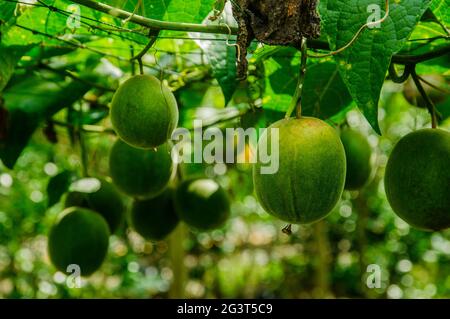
x=363, y=65
x=441, y=10
x=9, y=56
x=223, y=63
x=221, y=56
x=324, y=92
x=426, y=36
x=169, y=10
x=28, y=103
x=7, y=10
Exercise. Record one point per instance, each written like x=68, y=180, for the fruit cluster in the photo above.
x=316, y=164
x=144, y=114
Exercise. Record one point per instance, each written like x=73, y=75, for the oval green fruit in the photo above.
x=417, y=179
x=80, y=238
x=106, y=201
x=413, y=96
x=144, y=112
x=202, y=204
x=140, y=173
x=358, y=153
x=154, y=218
x=311, y=171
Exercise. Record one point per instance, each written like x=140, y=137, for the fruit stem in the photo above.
x=429, y=103
x=153, y=36
x=296, y=102
x=133, y=66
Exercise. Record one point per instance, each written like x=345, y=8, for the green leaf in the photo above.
x=9, y=56
x=221, y=56
x=170, y=10
x=58, y=185
x=222, y=59
x=7, y=11
x=264, y=52
x=324, y=92
x=91, y=116
x=364, y=64
x=30, y=102
x=441, y=10
x=426, y=36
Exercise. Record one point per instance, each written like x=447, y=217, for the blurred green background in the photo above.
x=65, y=78
x=250, y=257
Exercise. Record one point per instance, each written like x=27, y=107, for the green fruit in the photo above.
x=144, y=112
x=358, y=153
x=417, y=179
x=81, y=238
x=202, y=204
x=311, y=173
x=154, y=218
x=413, y=96
x=106, y=201
x=138, y=172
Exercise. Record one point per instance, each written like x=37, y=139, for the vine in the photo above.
x=429, y=103
x=297, y=98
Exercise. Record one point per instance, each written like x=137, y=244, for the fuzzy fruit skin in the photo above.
x=154, y=218
x=81, y=237
x=202, y=204
x=311, y=175
x=417, y=179
x=140, y=173
x=144, y=112
x=357, y=153
x=106, y=201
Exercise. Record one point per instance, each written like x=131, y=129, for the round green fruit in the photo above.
x=311, y=171
x=144, y=112
x=154, y=218
x=413, y=96
x=358, y=153
x=106, y=201
x=80, y=238
x=417, y=179
x=202, y=204
x=140, y=173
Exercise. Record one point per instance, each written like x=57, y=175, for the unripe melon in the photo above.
x=202, y=204
x=358, y=153
x=417, y=179
x=154, y=218
x=311, y=173
x=80, y=238
x=140, y=173
x=144, y=112
x=106, y=201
